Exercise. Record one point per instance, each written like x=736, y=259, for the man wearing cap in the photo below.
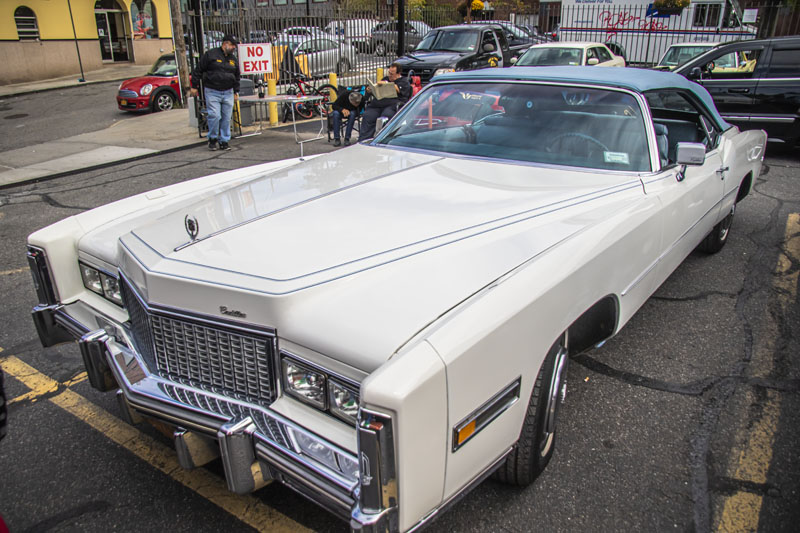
x=218, y=70
x=347, y=105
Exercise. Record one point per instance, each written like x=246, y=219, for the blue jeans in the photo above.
x=370, y=118
x=220, y=107
x=337, y=123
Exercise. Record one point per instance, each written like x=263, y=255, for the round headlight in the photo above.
x=147, y=89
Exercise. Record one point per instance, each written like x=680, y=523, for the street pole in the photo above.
x=77, y=48
x=401, y=27
x=180, y=45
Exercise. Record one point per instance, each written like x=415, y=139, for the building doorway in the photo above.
x=113, y=31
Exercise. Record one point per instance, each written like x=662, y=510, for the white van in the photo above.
x=355, y=32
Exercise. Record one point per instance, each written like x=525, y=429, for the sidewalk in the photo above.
x=126, y=140
x=113, y=72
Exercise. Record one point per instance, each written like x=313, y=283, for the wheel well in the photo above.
x=744, y=187
x=169, y=90
x=596, y=324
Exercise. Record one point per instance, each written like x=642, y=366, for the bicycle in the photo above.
x=299, y=86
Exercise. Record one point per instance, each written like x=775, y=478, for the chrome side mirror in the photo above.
x=686, y=154
x=381, y=122
x=690, y=154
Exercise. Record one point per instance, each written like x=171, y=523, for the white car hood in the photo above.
x=370, y=243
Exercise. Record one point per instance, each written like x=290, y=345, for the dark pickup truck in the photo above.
x=462, y=47
x=755, y=84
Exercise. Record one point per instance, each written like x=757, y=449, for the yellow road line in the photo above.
x=14, y=271
x=741, y=511
x=248, y=509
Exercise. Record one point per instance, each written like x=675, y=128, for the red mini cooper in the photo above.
x=158, y=90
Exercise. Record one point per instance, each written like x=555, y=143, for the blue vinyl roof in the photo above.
x=634, y=79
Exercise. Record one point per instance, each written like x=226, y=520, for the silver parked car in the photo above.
x=322, y=55
x=384, y=36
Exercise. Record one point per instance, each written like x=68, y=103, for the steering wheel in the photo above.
x=576, y=136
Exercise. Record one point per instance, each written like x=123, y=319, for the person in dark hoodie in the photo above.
x=218, y=70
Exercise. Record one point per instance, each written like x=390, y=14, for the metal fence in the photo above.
x=319, y=38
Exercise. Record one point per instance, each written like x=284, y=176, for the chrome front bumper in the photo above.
x=256, y=444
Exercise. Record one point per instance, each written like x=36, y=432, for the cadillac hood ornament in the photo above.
x=192, y=226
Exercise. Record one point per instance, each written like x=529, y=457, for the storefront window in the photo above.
x=143, y=16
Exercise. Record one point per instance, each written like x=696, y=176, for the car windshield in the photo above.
x=551, y=56
x=450, y=41
x=164, y=66
x=678, y=55
x=553, y=124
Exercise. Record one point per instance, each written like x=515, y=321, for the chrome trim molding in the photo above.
x=93, y=349
x=55, y=326
x=754, y=118
x=46, y=290
x=377, y=508
x=488, y=412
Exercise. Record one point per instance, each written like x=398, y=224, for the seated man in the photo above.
x=385, y=107
x=348, y=105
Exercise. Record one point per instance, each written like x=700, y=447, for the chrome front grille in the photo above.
x=125, y=93
x=266, y=425
x=233, y=360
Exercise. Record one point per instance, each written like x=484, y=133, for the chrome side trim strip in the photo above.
x=488, y=412
x=755, y=118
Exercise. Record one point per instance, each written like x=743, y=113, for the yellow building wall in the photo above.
x=52, y=17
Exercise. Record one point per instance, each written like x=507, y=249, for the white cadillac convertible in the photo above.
x=383, y=327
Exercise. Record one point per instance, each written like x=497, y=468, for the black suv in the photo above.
x=755, y=84
x=461, y=47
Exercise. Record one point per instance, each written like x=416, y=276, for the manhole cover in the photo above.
x=18, y=115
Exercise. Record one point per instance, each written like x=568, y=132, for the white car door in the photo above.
x=689, y=197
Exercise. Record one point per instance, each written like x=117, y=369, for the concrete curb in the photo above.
x=34, y=90
x=101, y=166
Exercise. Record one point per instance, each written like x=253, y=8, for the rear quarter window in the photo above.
x=784, y=64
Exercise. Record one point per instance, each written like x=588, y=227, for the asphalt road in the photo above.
x=688, y=420
x=35, y=118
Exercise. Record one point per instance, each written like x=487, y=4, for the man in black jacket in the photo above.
x=219, y=72
x=385, y=107
x=347, y=105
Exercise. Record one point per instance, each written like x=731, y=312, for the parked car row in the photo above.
x=754, y=83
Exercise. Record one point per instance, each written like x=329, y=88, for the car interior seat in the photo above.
x=662, y=141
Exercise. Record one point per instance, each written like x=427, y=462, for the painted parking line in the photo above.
x=742, y=510
x=248, y=509
x=14, y=271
